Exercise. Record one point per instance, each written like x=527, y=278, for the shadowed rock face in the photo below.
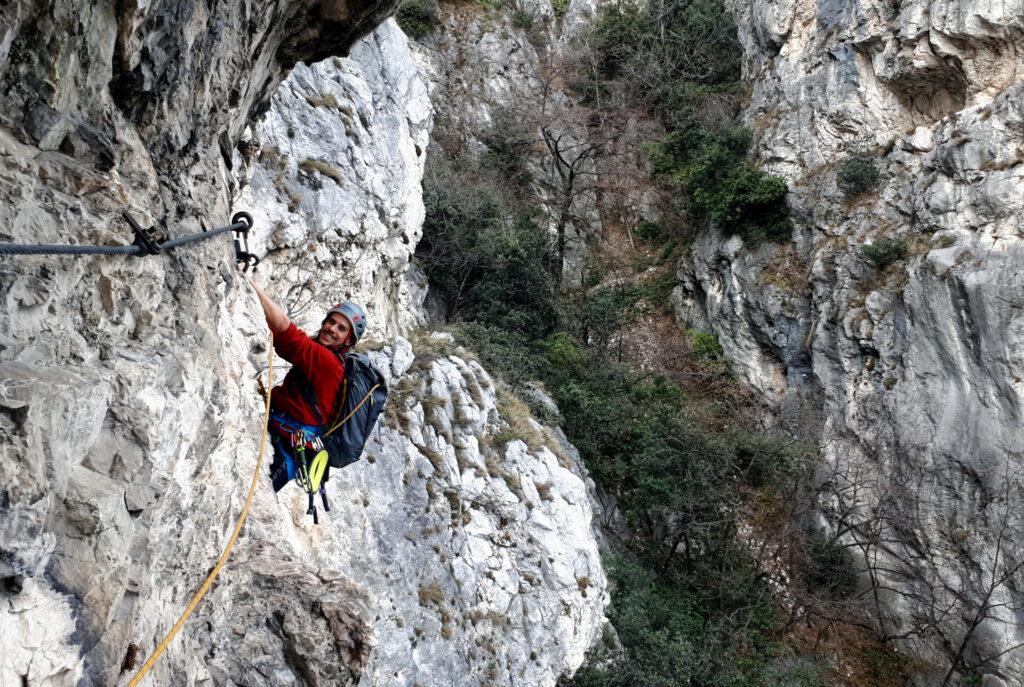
x=916, y=364
x=185, y=76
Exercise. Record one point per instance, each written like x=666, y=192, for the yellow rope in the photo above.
x=231, y=542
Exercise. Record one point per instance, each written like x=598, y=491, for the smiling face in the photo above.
x=334, y=331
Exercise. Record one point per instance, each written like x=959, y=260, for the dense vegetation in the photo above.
x=689, y=605
x=417, y=18
x=858, y=174
x=679, y=60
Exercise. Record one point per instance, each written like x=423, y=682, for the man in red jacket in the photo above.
x=317, y=365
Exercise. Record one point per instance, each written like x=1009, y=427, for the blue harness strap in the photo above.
x=287, y=433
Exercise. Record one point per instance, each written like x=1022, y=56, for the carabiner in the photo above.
x=242, y=254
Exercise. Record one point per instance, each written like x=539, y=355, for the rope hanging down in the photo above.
x=208, y=582
x=147, y=244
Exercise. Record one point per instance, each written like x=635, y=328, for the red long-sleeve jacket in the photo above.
x=316, y=363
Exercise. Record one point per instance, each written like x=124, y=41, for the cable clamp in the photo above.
x=146, y=239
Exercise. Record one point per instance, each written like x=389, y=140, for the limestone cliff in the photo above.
x=458, y=552
x=915, y=364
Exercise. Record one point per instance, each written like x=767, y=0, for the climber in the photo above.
x=304, y=403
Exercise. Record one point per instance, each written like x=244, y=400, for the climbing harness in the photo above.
x=208, y=582
x=308, y=460
x=148, y=243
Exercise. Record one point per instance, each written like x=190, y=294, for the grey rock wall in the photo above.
x=128, y=417
x=337, y=163
x=917, y=365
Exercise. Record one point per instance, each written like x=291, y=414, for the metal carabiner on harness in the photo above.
x=242, y=254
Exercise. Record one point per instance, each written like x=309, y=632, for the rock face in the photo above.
x=915, y=362
x=336, y=164
x=127, y=411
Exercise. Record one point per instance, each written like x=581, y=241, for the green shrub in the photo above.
x=857, y=174
x=705, y=346
x=667, y=251
x=721, y=187
x=523, y=20
x=560, y=7
x=676, y=636
x=648, y=231
x=884, y=252
x=417, y=18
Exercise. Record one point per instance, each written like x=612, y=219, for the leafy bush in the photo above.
x=560, y=7
x=691, y=608
x=417, y=18
x=884, y=252
x=523, y=20
x=648, y=231
x=857, y=174
x=705, y=346
x=676, y=636
x=722, y=188
x=489, y=263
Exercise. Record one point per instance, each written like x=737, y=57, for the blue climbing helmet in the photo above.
x=355, y=316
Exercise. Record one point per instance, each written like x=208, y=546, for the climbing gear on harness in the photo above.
x=306, y=453
x=355, y=316
x=146, y=242
x=208, y=582
x=300, y=456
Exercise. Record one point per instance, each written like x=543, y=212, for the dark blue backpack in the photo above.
x=362, y=399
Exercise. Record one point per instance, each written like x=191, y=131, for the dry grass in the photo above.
x=272, y=157
x=446, y=624
x=490, y=615
x=583, y=584
x=328, y=170
x=463, y=415
x=492, y=464
x=787, y=271
x=322, y=100
x=435, y=458
x=517, y=416
x=463, y=461
x=514, y=484
x=544, y=490
x=476, y=392
x=433, y=403
x=430, y=593
x=555, y=446
x=429, y=348
x=371, y=344
x=454, y=502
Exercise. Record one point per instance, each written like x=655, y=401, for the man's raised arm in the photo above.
x=277, y=318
